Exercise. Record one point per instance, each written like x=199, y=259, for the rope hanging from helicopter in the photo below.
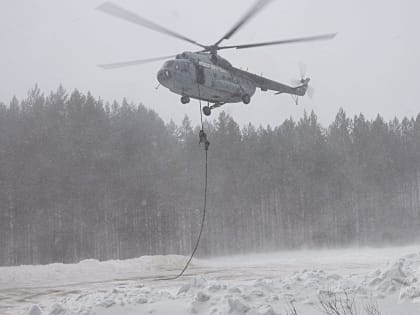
x=202, y=139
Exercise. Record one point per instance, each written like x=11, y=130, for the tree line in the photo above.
x=80, y=178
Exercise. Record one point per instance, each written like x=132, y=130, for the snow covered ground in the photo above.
x=250, y=284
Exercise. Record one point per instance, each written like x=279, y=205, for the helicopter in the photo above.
x=205, y=75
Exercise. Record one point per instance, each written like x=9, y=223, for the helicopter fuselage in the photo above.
x=206, y=77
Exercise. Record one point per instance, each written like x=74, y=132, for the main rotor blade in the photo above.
x=285, y=41
x=251, y=12
x=124, y=14
x=132, y=62
x=303, y=69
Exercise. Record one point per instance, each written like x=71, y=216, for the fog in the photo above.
x=103, y=177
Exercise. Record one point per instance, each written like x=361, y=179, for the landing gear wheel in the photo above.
x=207, y=110
x=185, y=99
x=246, y=99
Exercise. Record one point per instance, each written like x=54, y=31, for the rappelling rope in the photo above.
x=203, y=139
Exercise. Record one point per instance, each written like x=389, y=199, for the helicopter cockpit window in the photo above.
x=169, y=64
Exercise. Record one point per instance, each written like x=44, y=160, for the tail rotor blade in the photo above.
x=303, y=68
x=310, y=91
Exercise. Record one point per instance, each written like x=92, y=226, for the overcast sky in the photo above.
x=371, y=66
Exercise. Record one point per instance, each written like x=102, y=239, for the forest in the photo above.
x=81, y=178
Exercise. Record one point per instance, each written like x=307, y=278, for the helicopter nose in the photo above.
x=164, y=75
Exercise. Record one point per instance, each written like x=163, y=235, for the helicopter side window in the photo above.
x=177, y=67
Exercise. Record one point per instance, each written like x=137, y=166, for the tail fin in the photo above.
x=301, y=89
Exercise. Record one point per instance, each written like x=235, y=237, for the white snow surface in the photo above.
x=249, y=284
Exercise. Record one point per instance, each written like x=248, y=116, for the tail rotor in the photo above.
x=303, y=81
